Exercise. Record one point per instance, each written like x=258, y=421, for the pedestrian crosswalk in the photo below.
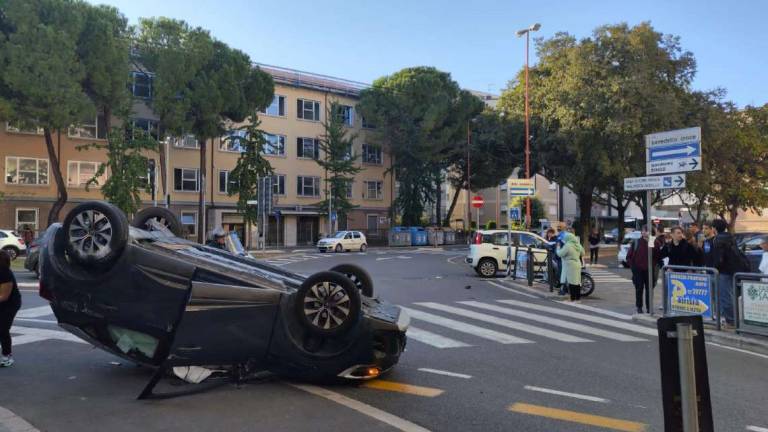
x=293, y=259
x=467, y=323
x=602, y=276
x=381, y=255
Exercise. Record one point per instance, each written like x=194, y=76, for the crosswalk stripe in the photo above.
x=555, y=322
x=585, y=317
x=433, y=339
x=35, y=312
x=464, y=327
x=505, y=323
x=598, y=310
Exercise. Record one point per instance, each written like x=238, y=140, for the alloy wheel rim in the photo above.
x=486, y=268
x=327, y=305
x=90, y=234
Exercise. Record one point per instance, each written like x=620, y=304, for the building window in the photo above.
x=225, y=182
x=187, y=141
x=186, y=179
x=346, y=114
x=232, y=141
x=278, y=184
x=308, y=186
x=373, y=190
x=26, y=171
x=349, y=185
x=276, y=108
x=90, y=128
x=367, y=124
x=189, y=222
x=308, y=110
x=80, y=173
x=141, y=85
x=371, y=154
x=148, y=126
x=275, y=145
x=308, y=148
x=23, y=128
x=26, y=217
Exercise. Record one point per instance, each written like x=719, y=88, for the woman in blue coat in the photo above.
x=571, y=253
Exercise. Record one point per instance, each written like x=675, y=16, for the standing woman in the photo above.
x=10, y=303
x=571, y=253
x=594, y=248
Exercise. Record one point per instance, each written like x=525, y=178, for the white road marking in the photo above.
x=35, y=312
x=757, y=429
x=567, y=394
x=433, y=339
x=600, y=311
x=512, y=290
x=599, y=320
x=403, y=257
x=465, y=328
x=555, y=322
x=382, y=416
x=738, y=350
x=446, y=373
x=538, y=294
x=384, y=258
x=35, y=320
x=28, y=285
x=563, y=337
x=45, y=334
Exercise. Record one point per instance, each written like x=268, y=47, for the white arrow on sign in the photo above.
x=686, y=151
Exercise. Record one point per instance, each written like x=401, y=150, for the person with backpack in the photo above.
x=726, y=257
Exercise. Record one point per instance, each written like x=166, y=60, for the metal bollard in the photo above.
x=687, y=377
x=530, y=266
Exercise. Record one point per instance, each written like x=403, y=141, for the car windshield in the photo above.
x=340, y=234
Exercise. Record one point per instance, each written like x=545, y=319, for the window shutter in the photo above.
x=316, y=146
x=299, y=108
x=177, y=179
x=299, y=147
x=281, y=105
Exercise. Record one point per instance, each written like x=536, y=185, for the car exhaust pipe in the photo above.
x=361, y=372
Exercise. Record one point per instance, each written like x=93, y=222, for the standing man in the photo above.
x=27, y=235
x=637, y=257
x=722, y=257
x=594, y=246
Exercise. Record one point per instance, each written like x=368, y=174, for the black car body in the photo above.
x=32, y=263
x=159, y=300
x=750, y=243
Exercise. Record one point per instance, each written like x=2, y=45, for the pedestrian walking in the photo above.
x=27, y=235
x=728, y=260
x=678, y=250
x=764, y=261
x=10, y=303
x=637, y=257
x=571, y=253
x=217, y=239
x=594, y=246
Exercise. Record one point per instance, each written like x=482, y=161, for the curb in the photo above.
x=12, y=423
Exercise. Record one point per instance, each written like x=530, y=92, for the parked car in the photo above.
x=147, y=295
x=488, y=251
x=32, y=263
x=12, y=243
x=624, y=248
x=611, y=236
x=750, y=243
x=344, y=241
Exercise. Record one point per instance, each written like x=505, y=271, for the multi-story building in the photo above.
x=293, y=124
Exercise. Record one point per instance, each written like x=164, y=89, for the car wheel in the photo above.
x=328, y=304
x=12, y=252
x=487, y=268
x=338, y=248
x=363, y=247
x=361, y=278
x=95, y=233
x=587, y=284
x=144, y=220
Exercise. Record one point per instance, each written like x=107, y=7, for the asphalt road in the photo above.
x=482, y=355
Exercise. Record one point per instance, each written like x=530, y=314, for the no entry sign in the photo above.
x=477, y=201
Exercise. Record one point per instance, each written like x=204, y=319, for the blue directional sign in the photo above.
x=674, y=151
x=515, y=213
x=689, y=294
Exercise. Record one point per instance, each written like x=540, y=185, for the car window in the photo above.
x=529, y=240
x=487, y=238
x=357, y=235
x=348, y=236
x=3, y=235
x=753, y=243
x=500, y=239
x=339, y=234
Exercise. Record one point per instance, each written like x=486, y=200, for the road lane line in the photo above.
x=28, y=285
x=577, y=417
x=567, y=394
x=555, y=322
x=538, y=294
x=384, y=258
x=512, y=290
x=743, y=351
x=403, y=388
x=365, y=409
x=433, y=339
x=563, y=337
x=599, y=310
x=757, y=429
x=599, y=320
x=47, y=334
x=465, y=328
x=35, y=312
x=34, y=320
x=446, y=373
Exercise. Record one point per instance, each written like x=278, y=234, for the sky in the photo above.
x=473, y=40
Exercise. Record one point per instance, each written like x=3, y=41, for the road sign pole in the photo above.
x=687, y=377
x=478, y=218
x=651, y=264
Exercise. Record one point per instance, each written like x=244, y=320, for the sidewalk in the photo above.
x=10, y=422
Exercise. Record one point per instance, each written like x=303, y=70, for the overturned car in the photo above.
x=143, y=293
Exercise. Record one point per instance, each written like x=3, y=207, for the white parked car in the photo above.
x=344, y=241
x=11, y=243
x=488, y=251
x=624, y=247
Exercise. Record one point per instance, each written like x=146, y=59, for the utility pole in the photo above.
x=527, y=33
x=469, y=172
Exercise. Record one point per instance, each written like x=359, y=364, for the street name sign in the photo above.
x=675, y=181
x=521, y=187
x=673, y=151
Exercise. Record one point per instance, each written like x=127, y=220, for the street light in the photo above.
x=527, y=33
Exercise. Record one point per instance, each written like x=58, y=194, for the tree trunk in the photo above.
x=733, y=214
x=438, y=203
x=163, y=171
x=201, y=201
x=55, y=168
x=621, y=211
x=585, y=215
x=454, y=200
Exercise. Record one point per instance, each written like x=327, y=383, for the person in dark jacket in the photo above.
x=217, y=239
x=678, y=250
x=721, y=256
x=637, y=257
x=10, y=303
x=594, y=246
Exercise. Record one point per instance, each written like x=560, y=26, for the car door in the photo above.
x=348, y=242
x=358, y=240
x=536, y=244
x=498, y=248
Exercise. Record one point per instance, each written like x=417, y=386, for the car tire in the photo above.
x=487, y=268
x=95, y=233
x=324, y=296
x=587, y=284
x=12, y=252
x=161, y=215
x=338, y=248
x=358, y=275
x=363, y=247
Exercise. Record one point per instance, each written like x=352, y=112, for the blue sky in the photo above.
x=473, y=40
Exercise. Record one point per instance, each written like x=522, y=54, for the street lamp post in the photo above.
x=527, y=33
